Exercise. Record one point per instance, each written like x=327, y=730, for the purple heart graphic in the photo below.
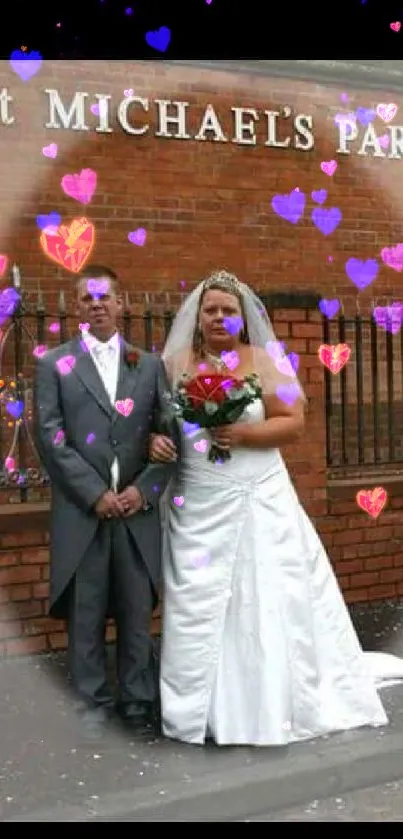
x=200, y=560
x=233, y=325
x=9, y=300
x=288, y=393
x=365, y=115
x=288, y=365
x=25, y=64
x=290, y=207
x=95, y=110
x=349, y=121
x=190, y=427
x=97, y=287
x=326, y=220
x=329, y=307
x=159, y=40
x=51, y=220
x=275, y=349
x=138, y=237
x=15, y=408
x=362, y=271
x=319, y=195
x=389, y=317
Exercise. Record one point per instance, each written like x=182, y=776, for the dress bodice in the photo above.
x=244, y=463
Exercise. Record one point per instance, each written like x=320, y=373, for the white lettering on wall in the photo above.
x=103, y=115
x=5, y=101
x=272, y=117
x=57, y=110
x=178, y=119
x=347, y=134
x=370, y=141
x=210, y=122
x=303, y=124
x=122, y=114
x=396, y=142
x=243, y=127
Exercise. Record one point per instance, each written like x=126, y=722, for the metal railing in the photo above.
x=364, y=402
x=22, y=477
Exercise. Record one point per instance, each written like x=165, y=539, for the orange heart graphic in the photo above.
x=69, y=246
x=372, y=501
x=334, y=357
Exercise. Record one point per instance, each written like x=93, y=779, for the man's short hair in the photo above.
x=95, y=272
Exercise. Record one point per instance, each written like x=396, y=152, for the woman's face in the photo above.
x=220, y=319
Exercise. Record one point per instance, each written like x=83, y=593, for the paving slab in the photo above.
x=48, y=774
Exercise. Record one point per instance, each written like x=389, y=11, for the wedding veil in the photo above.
x=276, y=370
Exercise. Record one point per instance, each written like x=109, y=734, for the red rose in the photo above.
x=209, y=388
x=132, y=357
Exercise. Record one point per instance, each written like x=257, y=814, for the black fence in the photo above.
x=22, y=477
x=364, y=401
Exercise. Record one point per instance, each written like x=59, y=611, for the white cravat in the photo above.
x=106, y=357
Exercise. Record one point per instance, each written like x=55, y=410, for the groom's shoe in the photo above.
x=137, y=716
x=94, y=723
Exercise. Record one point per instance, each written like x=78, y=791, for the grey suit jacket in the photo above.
x=78, y=434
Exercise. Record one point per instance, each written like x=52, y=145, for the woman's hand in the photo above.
x=228, y=436
x=162, y=449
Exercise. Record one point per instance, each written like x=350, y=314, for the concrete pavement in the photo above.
x=47, y=774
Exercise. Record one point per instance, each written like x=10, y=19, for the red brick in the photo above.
x=37, y=556
x=20, y=574
x=26, y=646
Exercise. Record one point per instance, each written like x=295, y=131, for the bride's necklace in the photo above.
x=215, y=361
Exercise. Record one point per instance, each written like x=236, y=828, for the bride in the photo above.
x=257, y=644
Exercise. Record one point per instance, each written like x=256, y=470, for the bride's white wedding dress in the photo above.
x=258, y=647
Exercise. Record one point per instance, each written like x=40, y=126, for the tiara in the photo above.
x=225, y=279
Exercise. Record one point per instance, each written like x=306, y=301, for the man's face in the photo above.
x=99, y=306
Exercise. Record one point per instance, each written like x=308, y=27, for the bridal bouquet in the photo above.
x=210, y=400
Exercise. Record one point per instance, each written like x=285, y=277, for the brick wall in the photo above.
x=204, y=205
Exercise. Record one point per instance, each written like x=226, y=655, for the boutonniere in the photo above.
x=132, y=356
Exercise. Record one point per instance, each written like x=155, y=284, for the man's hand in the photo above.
x=162, y=449
x=131, y=501
x=109, y=506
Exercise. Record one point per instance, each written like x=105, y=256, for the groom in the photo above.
x=96, y=402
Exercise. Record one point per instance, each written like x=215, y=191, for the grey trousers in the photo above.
x=112, y=575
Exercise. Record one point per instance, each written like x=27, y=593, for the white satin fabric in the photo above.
x=258, y=647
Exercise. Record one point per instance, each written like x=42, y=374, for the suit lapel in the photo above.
x=87, y=372
x=128, y=377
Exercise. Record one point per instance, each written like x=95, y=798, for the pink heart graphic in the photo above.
x=50, y=151
x=384, y=141
x=80, y=186
x=138, y=237
x=84, y=327
x=201, y=446
x=386, y=112
x=65, y=364
x=95, y=110
x=40, y=351
x=393, y=257
x=128, y=92
x=179, y=500
x=230, y=359
x=3, y=263
x=329, y=167
x=200, y=561
x=124, y=407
